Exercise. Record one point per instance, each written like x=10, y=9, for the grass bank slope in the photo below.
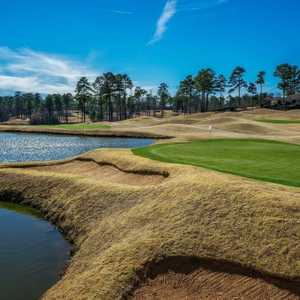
x=124, y=234
x=260, y=159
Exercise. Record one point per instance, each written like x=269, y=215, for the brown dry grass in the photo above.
x=117, y=228
x=230, y=124
x=102, y=173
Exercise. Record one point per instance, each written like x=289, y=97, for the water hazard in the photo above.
x=18, y=147
x=33, y=253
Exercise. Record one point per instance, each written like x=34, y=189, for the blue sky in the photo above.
x=46, y=45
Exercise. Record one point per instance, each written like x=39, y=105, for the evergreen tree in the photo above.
x=205, y=83
x=261, y=82
x=163, y=93
x=83, y=95
x=237, y=82
x=67, y=100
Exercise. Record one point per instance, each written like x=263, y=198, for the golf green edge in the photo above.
x=266, y=160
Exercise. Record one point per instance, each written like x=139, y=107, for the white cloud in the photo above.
x=30, y=71
x=168, y=12
x=174, y=6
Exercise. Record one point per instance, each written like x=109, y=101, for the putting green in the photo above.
x=259, y=159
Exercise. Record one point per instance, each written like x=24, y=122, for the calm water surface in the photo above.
x=33, y=253
x=18, y=147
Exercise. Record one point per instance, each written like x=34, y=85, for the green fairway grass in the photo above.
x=76, y=126
x=259, y=159
x=279, y=121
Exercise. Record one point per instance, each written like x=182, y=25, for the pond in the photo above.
x=33, y=253
x=19, y=147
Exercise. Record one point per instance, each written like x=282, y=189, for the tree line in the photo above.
x=210, y=91
x=112, y=97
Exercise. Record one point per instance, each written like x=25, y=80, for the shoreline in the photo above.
x=89, y=133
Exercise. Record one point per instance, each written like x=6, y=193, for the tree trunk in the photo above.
x=125, y=107
x=203, y=102
x=66, y=115
x=206, y=103
x=100, y=109
x=84, y=112
x=110, y=110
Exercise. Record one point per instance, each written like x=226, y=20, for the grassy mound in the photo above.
x=117, y=229
x=186, y=127
x=260, y=159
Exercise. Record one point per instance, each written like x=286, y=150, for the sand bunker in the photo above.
x=102, y=173
x=188, y=278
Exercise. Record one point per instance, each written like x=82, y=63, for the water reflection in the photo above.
x=16, y=147
x=33, y=253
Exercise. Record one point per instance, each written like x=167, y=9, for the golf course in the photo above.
x=260, y=159
x=209, y=211
x=150, y=150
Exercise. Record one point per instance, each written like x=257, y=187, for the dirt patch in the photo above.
x=186, y=278
x=102, y=173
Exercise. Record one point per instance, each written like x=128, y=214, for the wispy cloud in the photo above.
x=174, y=6
x=168, y=12
x=30, y=71
x=200, y=5
x=122, y=12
